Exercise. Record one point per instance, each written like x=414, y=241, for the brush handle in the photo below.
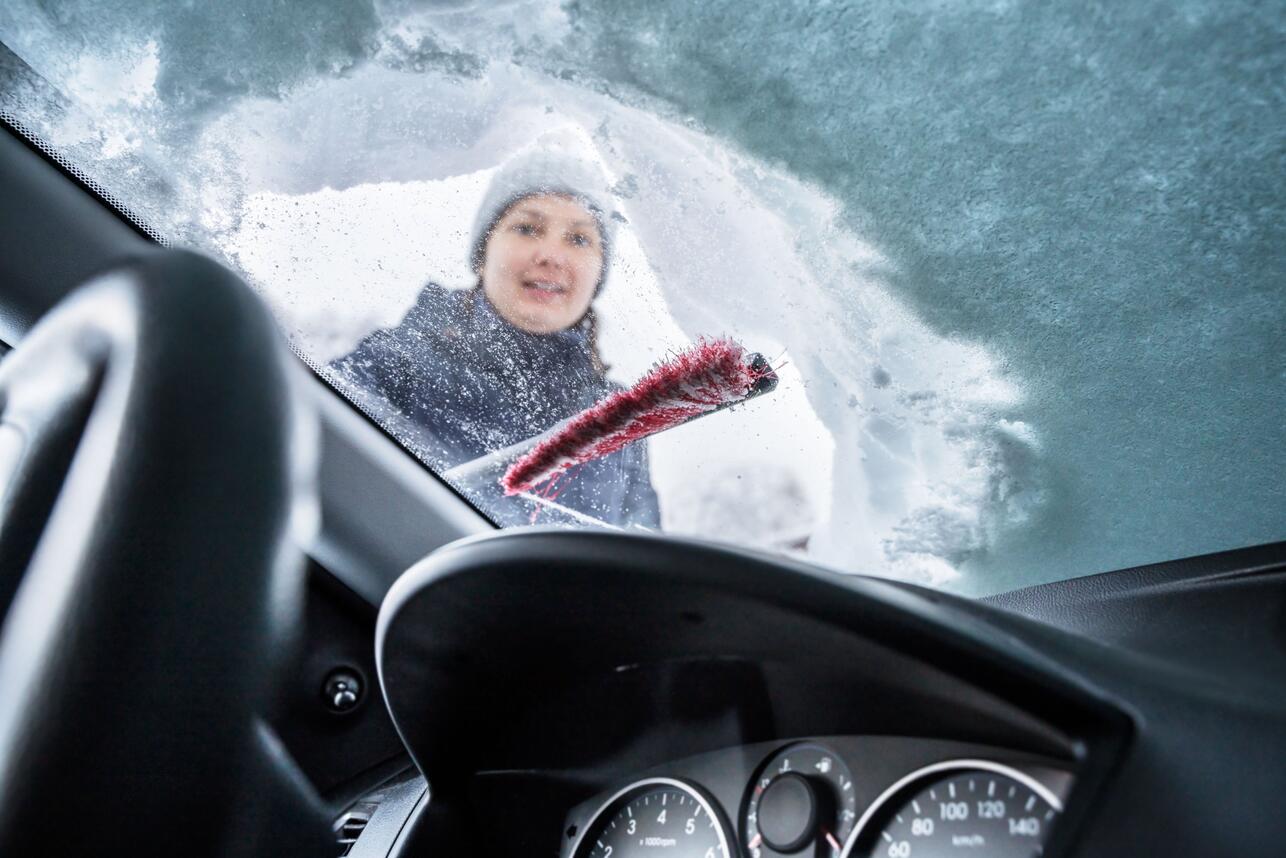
x=488, y=468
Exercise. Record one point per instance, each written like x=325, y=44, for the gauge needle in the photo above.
x=755, y=841
x=830, y=838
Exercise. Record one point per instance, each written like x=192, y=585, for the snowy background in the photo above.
x=1022, y=263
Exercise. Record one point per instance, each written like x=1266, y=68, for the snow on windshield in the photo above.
x=1025, y=302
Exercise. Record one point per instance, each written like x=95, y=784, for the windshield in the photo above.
x=1016, y=267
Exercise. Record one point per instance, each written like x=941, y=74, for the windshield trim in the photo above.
x=79, y=177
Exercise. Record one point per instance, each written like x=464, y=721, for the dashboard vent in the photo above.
x=353, y=822
x=348, y=828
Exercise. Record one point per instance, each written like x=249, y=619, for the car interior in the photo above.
x=241, y=619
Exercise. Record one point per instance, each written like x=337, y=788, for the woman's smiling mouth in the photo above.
x=544, y=287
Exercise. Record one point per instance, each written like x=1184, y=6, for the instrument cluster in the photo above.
x=838, y=797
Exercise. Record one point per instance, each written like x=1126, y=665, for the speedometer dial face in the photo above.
x=970, y=808
x=656, y=817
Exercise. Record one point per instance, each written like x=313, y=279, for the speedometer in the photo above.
x=959, y=808
x=658, y=816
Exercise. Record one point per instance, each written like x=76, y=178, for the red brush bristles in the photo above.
x=710, y=375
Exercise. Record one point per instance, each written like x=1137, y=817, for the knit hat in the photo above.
x=545, y=171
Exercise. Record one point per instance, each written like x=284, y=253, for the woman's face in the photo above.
x=542, y=262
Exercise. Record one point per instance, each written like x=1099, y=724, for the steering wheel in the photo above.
x=151, y=473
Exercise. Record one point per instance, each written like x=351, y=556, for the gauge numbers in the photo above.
x=968, y=807
x=802, y=804
x=653, y=817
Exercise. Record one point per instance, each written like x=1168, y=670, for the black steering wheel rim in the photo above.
x=153, y=471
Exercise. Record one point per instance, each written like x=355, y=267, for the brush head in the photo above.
x=712, y=374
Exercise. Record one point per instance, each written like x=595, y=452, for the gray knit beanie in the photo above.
x=542, y=171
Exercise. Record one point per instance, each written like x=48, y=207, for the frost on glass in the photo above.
x=1026, y=302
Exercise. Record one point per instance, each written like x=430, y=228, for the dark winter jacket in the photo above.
x=463, y=382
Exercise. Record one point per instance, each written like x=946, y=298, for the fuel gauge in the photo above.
x=801, y=804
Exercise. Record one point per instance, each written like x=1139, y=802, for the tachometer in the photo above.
x=964, y=807
x=658, y=816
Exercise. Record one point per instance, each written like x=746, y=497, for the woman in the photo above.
x=470, y=371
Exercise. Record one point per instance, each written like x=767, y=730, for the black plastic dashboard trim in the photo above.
x=488, y=612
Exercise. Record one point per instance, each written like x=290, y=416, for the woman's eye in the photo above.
x=579, y=239
x=525, y=228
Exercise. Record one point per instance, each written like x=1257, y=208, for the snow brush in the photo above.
x=712, y=375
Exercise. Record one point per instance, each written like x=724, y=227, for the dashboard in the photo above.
x=615, y=695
